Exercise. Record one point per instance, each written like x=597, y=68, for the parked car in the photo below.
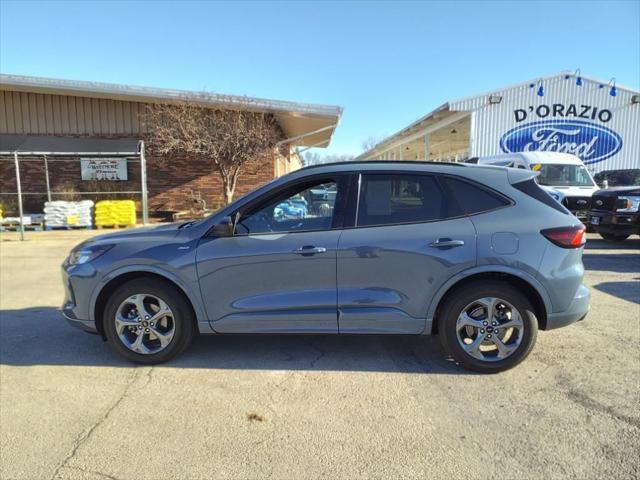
x=292, y=208
x=629, y=177
x=405, y=248
x=615, y=211
x=562, y=175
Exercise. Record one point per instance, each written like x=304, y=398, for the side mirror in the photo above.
x=224, y=228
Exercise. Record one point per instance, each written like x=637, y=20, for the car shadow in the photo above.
x=40, y=336
x=629, y=291
x=623, y=257
x=599, y=243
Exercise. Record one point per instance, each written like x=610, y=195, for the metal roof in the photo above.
x=310, y=124
x=462, y=104
x=53, y=145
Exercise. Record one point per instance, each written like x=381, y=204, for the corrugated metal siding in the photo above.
x=491, y=122
x=35, y=113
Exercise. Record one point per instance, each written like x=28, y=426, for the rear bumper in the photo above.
x=577, y=310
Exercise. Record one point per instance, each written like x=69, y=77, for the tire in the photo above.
x=518, y=340
x=177, y=329
x=612, y=237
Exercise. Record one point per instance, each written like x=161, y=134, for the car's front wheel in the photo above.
x=148, y=321
x=488, y=326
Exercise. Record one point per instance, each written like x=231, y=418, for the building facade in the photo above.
x=596, y=120
x=56, y=113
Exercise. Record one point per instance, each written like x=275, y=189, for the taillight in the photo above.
x=566, y=237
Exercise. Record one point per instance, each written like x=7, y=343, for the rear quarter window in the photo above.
x=531, y=188
x=473, y=198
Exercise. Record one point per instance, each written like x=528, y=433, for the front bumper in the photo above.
x=582, y=215
x=615, y=223
x=78, y=283
x=70, y=316
x=577, y=310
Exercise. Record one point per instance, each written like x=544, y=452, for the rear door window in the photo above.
x=387, y=199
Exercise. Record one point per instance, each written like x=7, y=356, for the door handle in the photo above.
x=446, y=243
x=309, y=250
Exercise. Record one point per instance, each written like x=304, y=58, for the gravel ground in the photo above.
x=314, y=407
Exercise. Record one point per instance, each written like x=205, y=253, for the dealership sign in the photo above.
x=104, y=168
x=592, y=143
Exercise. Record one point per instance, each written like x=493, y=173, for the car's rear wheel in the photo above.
x=148, y=321
x=488, y=326
x=611, y=237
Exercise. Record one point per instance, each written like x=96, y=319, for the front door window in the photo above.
x=309, y=207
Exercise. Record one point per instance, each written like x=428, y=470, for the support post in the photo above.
x=426, y=147
x=143, y=177
x=46, y=177
x=21, y=213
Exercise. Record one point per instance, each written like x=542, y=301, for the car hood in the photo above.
x=616, y=191
x=137, y=234
x=573, y=191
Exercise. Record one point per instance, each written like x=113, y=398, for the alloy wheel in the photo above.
x=145, y=324
x=490, y=329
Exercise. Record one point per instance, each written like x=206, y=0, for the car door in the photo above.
x=407, y=241
x=277, y=273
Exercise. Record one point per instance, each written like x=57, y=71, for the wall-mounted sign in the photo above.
x=592, y=143
x=104, y=168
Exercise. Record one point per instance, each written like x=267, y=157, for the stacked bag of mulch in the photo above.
x=68, y=214
x=115, y=213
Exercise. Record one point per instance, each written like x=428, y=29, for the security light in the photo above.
x=493, y=99
x=635, y=99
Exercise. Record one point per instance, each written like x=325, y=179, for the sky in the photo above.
x=385, y=63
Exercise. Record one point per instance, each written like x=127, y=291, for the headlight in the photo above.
x=628, y=204
x=85, y=253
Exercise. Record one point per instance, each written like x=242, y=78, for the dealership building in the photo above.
x=599, y=121
x=86, y=138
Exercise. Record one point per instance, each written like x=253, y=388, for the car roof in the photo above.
x=392, y=166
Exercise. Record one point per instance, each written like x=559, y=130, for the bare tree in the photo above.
x=312, y=158
x=370, y=142
x=230, y=139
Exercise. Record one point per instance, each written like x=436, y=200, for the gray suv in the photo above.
x=479, y=255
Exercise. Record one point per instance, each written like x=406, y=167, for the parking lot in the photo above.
x=314, y=407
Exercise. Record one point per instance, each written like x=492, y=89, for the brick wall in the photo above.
x=170, y=181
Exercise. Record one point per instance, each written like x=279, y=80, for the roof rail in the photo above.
x=378, y=162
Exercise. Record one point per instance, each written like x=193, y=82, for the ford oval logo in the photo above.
x=590, y=142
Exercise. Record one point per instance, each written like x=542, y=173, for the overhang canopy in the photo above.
x=52, y=145
x=308, y=124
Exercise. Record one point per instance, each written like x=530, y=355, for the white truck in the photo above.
x=562, y=175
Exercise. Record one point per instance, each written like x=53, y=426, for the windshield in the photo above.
x=619, y=178
x=562, y=175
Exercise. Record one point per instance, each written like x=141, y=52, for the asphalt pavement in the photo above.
x=306, y=407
